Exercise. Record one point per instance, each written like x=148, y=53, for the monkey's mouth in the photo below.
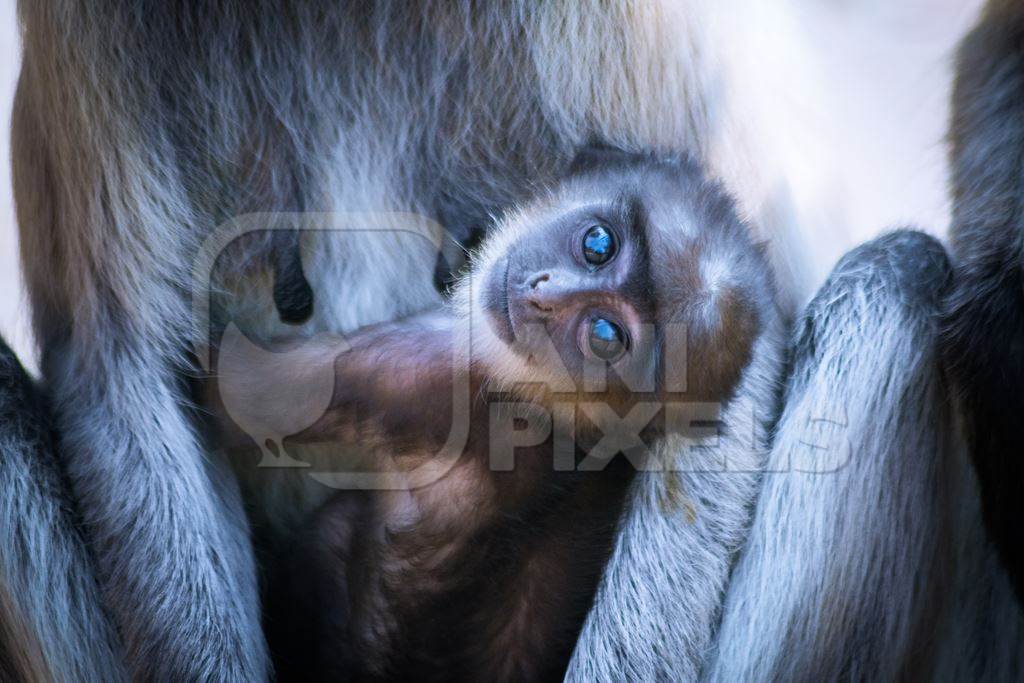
x=497, y=305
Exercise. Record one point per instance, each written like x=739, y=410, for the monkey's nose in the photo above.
x=547, y=292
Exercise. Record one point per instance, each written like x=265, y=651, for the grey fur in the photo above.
x=51, y=625
x=867, y=559
x=139, y=126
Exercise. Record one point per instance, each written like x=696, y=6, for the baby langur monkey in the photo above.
x=629, y=288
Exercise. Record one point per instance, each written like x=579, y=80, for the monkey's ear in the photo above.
x=597, y=154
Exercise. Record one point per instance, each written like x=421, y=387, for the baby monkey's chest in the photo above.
x=452, y=534
x=454, y=579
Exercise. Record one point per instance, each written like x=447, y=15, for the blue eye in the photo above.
x=607, y=341
x=598, y=245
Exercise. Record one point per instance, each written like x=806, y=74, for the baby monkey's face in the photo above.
x=571, y=298
x=631, y=281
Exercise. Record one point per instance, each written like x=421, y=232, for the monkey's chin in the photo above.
x=495, y=302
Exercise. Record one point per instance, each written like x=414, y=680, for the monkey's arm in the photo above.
x=104, y=242
x=866, y=526
x=392, y=389
x=389, y=385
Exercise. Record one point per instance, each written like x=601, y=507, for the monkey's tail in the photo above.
x=983, y=320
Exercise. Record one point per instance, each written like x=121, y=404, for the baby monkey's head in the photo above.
x=632, y=279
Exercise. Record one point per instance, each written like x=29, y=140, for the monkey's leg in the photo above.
x=52, y=625
x=103, y=225
x=984, y=320
x=864, y=553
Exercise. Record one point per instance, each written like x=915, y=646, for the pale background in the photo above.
x=888, y=68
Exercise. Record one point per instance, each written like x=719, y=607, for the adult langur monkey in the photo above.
x=984, y=321
x=141, y=126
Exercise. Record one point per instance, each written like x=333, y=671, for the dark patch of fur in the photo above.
x=983, y=335
x=293, y=295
